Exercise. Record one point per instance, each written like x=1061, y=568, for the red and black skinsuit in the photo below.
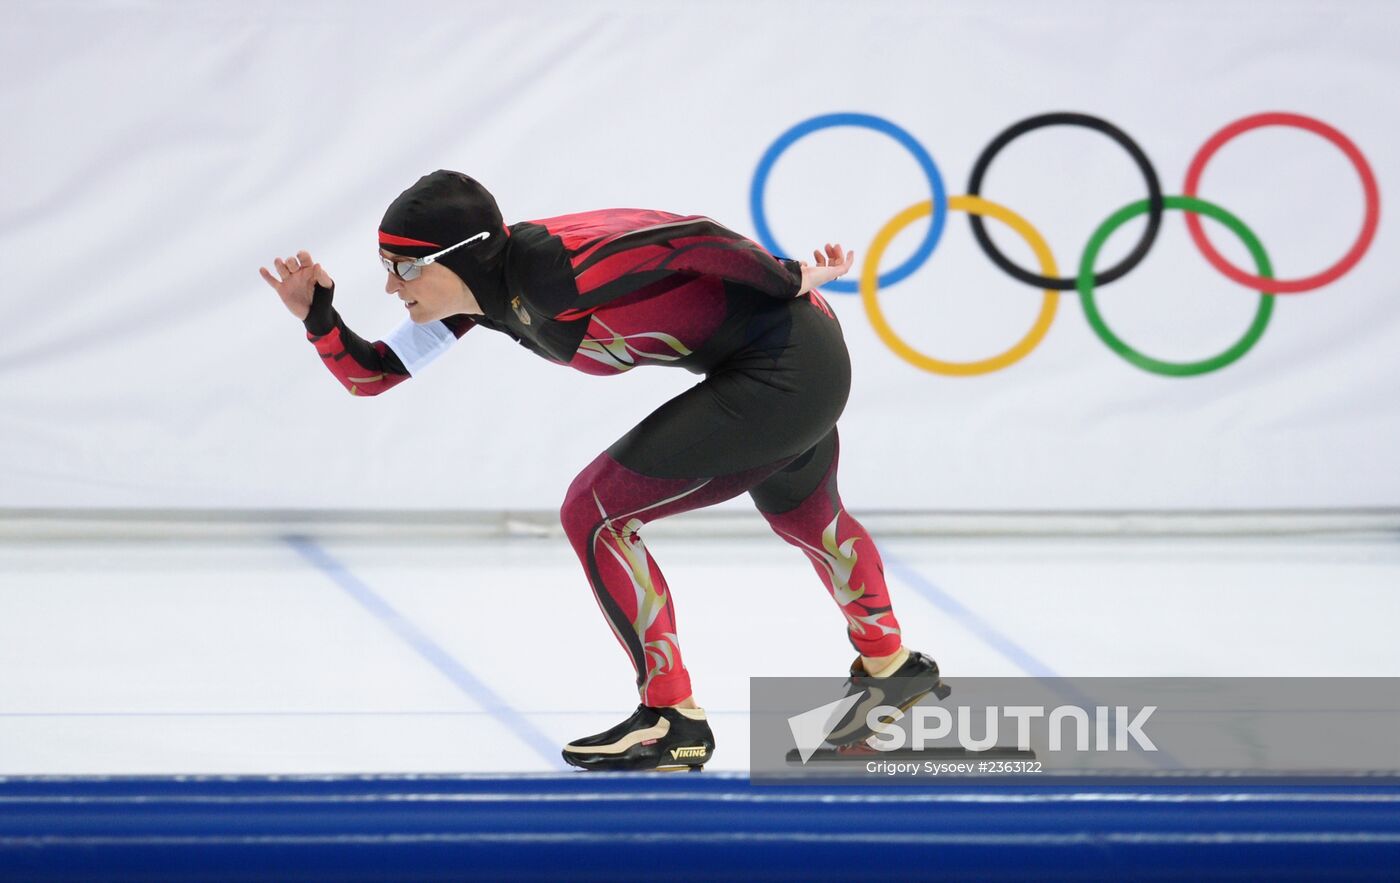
x=606, y=291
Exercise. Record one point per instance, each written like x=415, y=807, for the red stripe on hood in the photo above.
x=391, y=239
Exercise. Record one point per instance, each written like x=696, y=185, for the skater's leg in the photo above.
x=603, y=514
x=803, y=506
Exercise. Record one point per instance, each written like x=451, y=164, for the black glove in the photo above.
x=321, y=318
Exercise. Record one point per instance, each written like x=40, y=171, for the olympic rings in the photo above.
x=974, y=206
x=1343, y=143
x=862, y=121
x=1154, y=196
x=1086, y=280
x=1157, y=366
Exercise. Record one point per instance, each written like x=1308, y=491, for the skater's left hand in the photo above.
x=834, y=264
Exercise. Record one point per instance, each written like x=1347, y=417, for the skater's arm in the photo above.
x=703, y=247
x=708, y=249
x=364, y=368
x=689, y=246
x=729, y=256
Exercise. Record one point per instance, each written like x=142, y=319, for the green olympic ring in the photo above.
x=1085, y=284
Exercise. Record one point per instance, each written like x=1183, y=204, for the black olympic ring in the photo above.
x=1154, y=197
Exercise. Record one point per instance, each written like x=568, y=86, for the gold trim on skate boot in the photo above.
x=890, y=667
x=674, y=768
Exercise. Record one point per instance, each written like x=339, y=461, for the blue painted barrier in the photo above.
x=663, y=827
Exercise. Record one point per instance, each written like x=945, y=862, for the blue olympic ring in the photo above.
x=863, y=121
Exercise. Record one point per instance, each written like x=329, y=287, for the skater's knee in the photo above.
x=580, y=511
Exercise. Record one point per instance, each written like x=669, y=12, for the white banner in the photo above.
x=157, y=153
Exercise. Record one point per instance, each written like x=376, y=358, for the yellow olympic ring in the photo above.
x=973, y=205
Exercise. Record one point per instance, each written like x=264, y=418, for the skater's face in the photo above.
x=435, y=293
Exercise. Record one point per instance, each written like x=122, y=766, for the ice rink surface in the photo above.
x=306, y=655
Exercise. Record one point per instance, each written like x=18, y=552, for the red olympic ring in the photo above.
x=1317, y=127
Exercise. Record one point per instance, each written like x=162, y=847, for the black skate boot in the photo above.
x=907, y=681
x=651, y=739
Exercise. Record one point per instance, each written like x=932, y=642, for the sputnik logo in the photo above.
x=810, y=728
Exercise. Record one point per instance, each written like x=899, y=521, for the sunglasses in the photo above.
x=409, y=269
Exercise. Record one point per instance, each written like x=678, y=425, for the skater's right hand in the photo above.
x=296, y=281
x=834, y=264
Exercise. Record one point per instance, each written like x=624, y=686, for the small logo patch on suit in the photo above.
x=520, y=310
